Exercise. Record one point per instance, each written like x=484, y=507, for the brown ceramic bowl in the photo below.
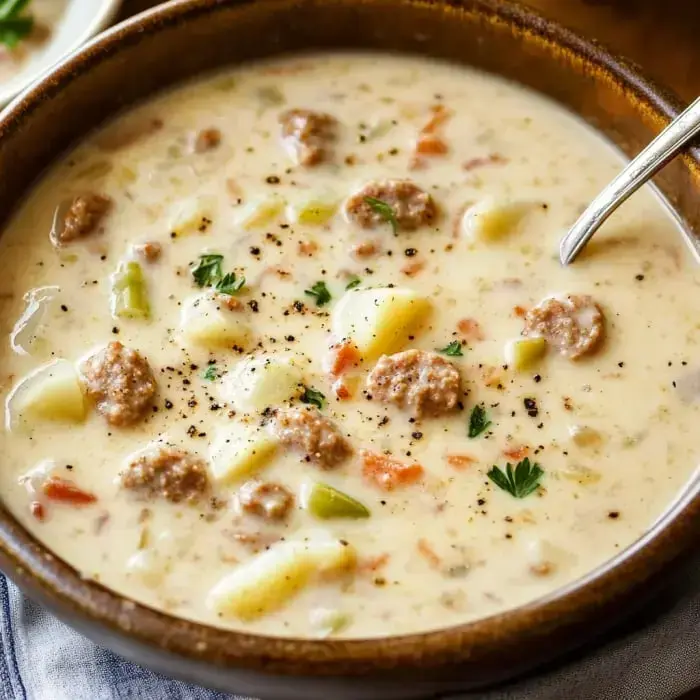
x=182, y=39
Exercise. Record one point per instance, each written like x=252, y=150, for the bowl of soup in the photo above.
x=295, y=388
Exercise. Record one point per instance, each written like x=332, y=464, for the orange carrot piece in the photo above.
x=388, y=473
x=429, y=553
x=461, y=461
x=65, y=491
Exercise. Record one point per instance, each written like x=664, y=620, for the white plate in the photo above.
x=80, y=21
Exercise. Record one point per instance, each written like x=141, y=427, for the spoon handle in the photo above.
x=649, y=161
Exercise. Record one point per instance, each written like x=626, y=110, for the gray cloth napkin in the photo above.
x=655, y=658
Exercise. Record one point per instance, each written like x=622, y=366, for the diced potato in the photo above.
x=328, y=621
x=378, y=321
x=313, y=212
x=194, y=215
x=258, y=382
x=147, y=566
x=52, y=393
x=492, y=219
x=259, y=212
x=240, y=451
x=523, y=353
x=266, y=582
x=580, y=474
x=206, y=321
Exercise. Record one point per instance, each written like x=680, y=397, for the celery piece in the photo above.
x=129, y=294
x=326, y=502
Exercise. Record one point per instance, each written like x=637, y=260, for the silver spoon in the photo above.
x=662, y=149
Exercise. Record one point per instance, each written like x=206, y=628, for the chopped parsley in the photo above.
x=478, y=421
x=518, y=482
x=384, y=210
x=228, y=284
x=354, y=282
x=15, y=25
x=210, y=373
x=320, y=292
x=454, y=349
x=208, y=272
x=313, y=397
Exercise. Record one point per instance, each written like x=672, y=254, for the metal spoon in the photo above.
x=662, y=149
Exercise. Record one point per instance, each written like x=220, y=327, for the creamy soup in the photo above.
x=289, y=350
x=21, y=51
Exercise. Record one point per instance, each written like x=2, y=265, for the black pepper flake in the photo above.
x=417, y=435
x=384, y=420
x=69, y=466
x=531, y=407
x=614, y=514
x=410, y=252
x=192, y=431
x=115, y=330
x=254, y=306
x=639, y=277
x=537, y=378
x=168, y=403
x=64, y=307
x=254, y=250
x=272, y=180
x=289, y=338
x=481, y=502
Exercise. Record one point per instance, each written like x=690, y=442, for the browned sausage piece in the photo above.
x=309, y=135
x=149, y=251
x=168, y=473
x=422, y=382
x=207, y=140
x=120, y=382
x=312, y=433
x=575, y=325
x=265, y=499
x=83, y=216
x=412, y=206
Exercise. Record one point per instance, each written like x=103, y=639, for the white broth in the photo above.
x=202, y=416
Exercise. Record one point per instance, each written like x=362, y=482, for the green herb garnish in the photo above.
x=478, y=421
x=208, y=269
x=320, y=291
x=519, y=482
x=208, y=272
x=313, y=397
x=384, y=210
x=454, y=349
x=354, y=282
x=228, y=284
x=210, y=373
x=13, y=25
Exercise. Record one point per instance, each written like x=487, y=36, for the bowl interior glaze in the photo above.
x=183, y=39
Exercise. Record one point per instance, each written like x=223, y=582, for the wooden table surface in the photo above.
x=661, y=36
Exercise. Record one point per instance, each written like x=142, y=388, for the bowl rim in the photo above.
x=60, y=587
x=102, y=18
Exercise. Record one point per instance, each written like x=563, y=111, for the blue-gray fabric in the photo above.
x=656, y=659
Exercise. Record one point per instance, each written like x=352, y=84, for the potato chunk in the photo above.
x=522, y=354
x=240, y=451
x=266, y=582
x=378, y=321
x=207, y=321
x=314, y=211
x=492, y=219
x=258, y=382
x=259, y=212
x=193, y=215
x=50, y=393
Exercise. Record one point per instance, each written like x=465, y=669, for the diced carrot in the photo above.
x=439, y=116
x=307, y=248
x=519, y=311
x=491, y=159
x=364, y=249
x=517, y=453
x=343, y=357
x=38, y=511
x=413, y=268
x=470, y=329
x=388, y=473
x=373, y=563
x=492, y=377
x=429, y=553
x=431, y=145
x=460, y=461
x=342, y=390
x=65, y=491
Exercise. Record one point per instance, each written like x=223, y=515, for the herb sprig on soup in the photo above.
x=289, y=349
